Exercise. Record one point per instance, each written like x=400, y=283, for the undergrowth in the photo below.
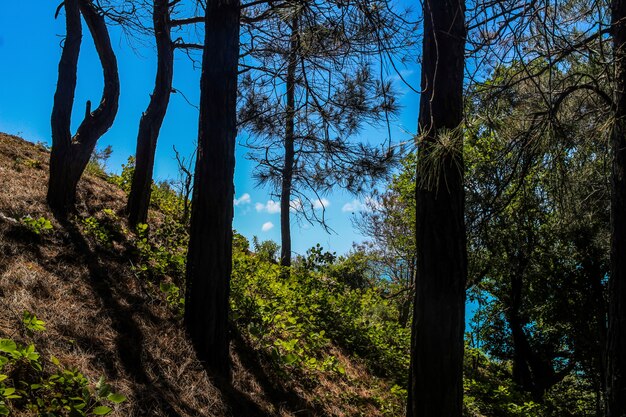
x=324, y=319
x=43, y=386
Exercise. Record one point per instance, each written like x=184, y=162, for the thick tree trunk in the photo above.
x=287, y=174
x=616, y=337
x=522, y=375
x=152, y=119
x=531, y=372
x=436, y=370
x=70, y=155
x=209, y=259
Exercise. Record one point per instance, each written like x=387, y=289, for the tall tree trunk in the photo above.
x=152, y=119
x=70, y=155
x=287, y=174
x=531, y=372
x=616, y=337
x=209, y=258
x=436, y=370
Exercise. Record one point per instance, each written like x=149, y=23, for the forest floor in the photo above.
x=103, y=320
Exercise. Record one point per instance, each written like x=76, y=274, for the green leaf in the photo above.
x=7, y=345
x=102, y=410
x=116, y=398
x=290, y=358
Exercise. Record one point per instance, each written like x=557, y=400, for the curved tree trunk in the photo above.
x=436, y=370
x=209, y=258
x=70, y=155
x=152, y=119
x=287, y=174
x=616, y=336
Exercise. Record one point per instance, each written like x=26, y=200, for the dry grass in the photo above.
x=101, y=319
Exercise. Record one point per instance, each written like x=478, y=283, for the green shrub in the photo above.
x=38, y=226
x=94, y=228
x=45, y=387
x=32, y=323
x=125, y=178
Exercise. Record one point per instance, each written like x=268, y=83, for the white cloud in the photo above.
x=321, y=203
x=271, y=207
x=244, y=199
x=267, y=226
x=357, y=205
x=353, y=206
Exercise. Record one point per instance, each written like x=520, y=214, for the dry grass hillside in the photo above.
x=103, y=320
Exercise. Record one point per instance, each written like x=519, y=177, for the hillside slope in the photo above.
x=104, y=320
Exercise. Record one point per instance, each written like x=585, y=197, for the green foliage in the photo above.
x=19, y=163
x=106, y=228
x=489, y=390
x=275, y=313
x=162, y=251
x=125, y=178
x=94, y=228
x=295, y=318
x=160, y=255
x=169, y=202
x=174, y=298
x=352, y=270
x=32, y=323
x=267, y=250
x=38, y=226
x=97, y=163
x=316, y=259
x=46, y=388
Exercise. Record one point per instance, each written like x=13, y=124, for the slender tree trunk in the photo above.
x=152, y=119
x=616, y=337
x=436, y=370
x=209, y=258
x=287, y=174
x=60, y=186
x=70, y=155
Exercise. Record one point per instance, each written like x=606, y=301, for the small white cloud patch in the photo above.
x=352, y=207
x=321, y=203
x=271, y=207
x=356, y=205
x=267, y=226
x=244, y=199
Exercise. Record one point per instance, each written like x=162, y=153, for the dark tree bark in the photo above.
x=287, y=174
x=70, y=155
x=436, y=370
x=152, y=119
x=532, y=372
x=616, y=337
x=209, y=259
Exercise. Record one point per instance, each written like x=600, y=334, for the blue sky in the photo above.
x=29, y=54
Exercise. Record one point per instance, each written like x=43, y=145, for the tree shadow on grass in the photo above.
x=150, y=392
x=153, y=394
x=254, y=362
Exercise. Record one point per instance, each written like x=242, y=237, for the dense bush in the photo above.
x=302, y=321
